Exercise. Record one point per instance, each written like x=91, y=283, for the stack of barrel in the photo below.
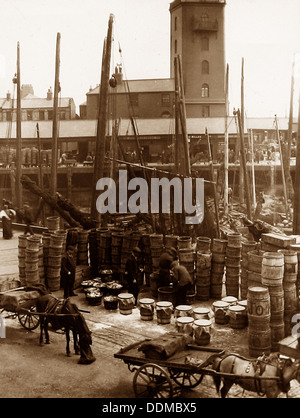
x=255, y=259
x=203, y=268
x=289, y=288
x=156, y=248
x=56, y=248
x=21, y=257
x=272, y=273
x=41, y=263
x=93, y=251
x=53, y=223
x=104, y=248
x=32, y=260
x=217, y=267
x=259, y=313
x=83, y=247
x=186, y=254
x=116, y=248
x=296, y=247
x=246, y=248
x=233, y=264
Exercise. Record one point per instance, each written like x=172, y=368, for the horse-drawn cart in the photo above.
x=158, y=377
x=20, y=303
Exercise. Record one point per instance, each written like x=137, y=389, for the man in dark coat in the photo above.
x=132, y=272
x=182, y=282
x=165, y=262
x=67, y=272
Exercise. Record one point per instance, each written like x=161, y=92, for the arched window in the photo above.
x=205, y=90
x=204, y=44
x=205, y=67
x=165, y=115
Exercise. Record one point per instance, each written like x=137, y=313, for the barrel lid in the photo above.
x=258, y=289
x=201, y=310
x=164, y=304
x=183, y=308
x=147, y=301
x=185, y=319
x=125, y=295
x=229, y=299
x=203, y=322
x=220, y=304
x=243, y=302
x=237, y=308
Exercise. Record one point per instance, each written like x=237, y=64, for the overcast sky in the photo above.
x=265, y=32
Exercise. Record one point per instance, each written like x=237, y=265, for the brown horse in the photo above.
x=277, y=373
x=62, y=314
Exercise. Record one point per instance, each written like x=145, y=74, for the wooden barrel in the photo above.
x=248, y=246
x=272, y=269
x=234, y=251
x=218, y=257
x=53, y=223
x=259, y=341
x=255, y=259
x=219, y=245
x=234, y=239
x=22, y=241
x=258, y=303
x=126, y=303
x=156, y=240
x=186, y=255
x=171, y=241
x=146, y=309
x=184, y=242
x=184, y=325
x=217, y=268
x=164, y=310
x=203, y=260
x=203, y=244
x=290, y=297
x=183, y=310
x=220, y=309
x=33, y=242
x=237, y=317
x=167, y=293
x=202, y=331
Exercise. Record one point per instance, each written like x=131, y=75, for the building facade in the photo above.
x=198, y=37
x=35, y=108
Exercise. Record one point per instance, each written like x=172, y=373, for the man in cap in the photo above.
x=132, y=271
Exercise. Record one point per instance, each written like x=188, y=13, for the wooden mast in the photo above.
x=296, y=218
x=226, y=144
x=242, y=113
x=102, y=118
x=55, y=120
x=18, y=136
x=287, y=154
x=282, y=167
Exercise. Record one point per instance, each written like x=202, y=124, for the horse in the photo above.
x=272, y=366
x=62, y=314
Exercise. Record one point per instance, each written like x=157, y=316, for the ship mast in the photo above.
x=18, y=134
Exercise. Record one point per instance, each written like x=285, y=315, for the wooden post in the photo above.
x=54, y=162
x=253, y=168
x=18, y=184
x=214, y=184
x=282, y=167
x=296, y=219
x=242, y=113
x=102, y=118
x=243, y=158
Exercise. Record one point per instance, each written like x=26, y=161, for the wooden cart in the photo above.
x=18, y=303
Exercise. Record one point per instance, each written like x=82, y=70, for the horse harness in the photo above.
x=259, y=367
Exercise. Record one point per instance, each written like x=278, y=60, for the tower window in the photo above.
x=204, y=19
x=205, y=67
x=175, y=23
x=205, y=111
x=175, y=46
x=204, y=44
x=205, y=90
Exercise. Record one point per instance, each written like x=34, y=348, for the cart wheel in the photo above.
x=186, y=379
x=29, y=321
x=151, y=381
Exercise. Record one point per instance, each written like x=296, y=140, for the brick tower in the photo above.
x=198, y=36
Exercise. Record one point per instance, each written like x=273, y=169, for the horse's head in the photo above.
x=289, y=370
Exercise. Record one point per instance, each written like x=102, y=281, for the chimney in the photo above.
x=49, y=94
x=26, y=89
x=8, y=96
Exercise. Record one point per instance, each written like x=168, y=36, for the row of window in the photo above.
x=42, y=115
x=166, y=97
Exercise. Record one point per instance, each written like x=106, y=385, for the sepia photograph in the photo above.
x=150, y=216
